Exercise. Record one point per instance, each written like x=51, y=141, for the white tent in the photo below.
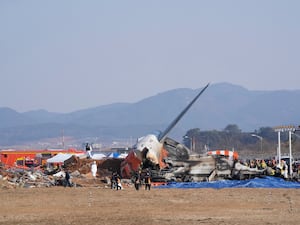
x=98, y=156
x=59, y=158
x=123, y=156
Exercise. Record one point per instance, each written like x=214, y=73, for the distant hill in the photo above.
x=220, y=105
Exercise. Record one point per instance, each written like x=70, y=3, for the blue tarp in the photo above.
x=113, y=155
x=267, y=182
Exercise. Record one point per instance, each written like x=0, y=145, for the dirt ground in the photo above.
x=97, y=204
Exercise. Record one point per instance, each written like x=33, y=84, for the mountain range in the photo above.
x=220, y=105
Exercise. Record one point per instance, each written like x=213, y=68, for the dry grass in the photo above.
x=99, y=205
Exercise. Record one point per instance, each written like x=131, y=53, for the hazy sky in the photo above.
x=64, y=56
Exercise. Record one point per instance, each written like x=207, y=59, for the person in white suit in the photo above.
x=94, y=169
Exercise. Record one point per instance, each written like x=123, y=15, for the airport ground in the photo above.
x=99, y=205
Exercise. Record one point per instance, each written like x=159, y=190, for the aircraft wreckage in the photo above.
x=167, y=159
x=181, y=166
x=171, y=161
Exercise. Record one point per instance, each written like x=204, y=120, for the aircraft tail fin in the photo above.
x=175, y=121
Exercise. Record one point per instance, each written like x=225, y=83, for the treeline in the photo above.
x=259, y=143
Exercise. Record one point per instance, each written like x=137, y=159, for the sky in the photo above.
x=64, y=56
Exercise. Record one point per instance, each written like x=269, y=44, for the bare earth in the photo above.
x=100, y=205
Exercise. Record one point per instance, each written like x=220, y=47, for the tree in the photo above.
x=233, y=137
x=232, y=128
x=190, y=138
x=267, y=133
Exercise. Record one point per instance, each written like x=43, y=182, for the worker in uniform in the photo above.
x=67, y=179
x=263, y=164
x=113, y=180
x=88, y=149
x=137, y=180
x=147, y=179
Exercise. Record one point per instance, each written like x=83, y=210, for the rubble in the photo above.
x=80, y=170
x=14, y=178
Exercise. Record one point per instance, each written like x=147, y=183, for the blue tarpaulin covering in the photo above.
x=267, y=182
x=113, y=155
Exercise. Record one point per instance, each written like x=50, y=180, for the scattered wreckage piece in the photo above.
x=79, y=170
x=205, y=168
x=14, y=178
x=182, y=166
x=178, y=168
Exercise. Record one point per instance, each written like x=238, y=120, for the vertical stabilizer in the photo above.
x=175, y=121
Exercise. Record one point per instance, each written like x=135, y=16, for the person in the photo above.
x=137, y=180
x=67, y=179
x=113, y=180
x=252, y=164
x=263, y=164
x=284, y=169
x=88, y=149
x=118, y=182
x=94, y=169
x=147, y=180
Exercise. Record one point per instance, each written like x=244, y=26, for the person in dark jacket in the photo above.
x=137, y=180
x=113, y=180
x=67, y=179
x=147, y=179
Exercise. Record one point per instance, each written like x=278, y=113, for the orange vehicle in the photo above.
x=31, y=158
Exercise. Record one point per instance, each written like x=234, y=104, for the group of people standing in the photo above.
x=142, y=178
x=115, y=181
x=274, y=168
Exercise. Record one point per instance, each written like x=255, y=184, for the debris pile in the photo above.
x=79, y=169
x=13, y=178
